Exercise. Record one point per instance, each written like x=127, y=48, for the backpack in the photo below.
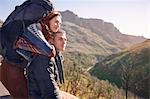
x=29, y=12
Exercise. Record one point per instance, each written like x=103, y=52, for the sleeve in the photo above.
x=41, y=79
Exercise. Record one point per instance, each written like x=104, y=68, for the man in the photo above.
x=55, y=70
x=60, y=41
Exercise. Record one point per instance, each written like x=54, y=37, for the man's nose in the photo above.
x=64, y=41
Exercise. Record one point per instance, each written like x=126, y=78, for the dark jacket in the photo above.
x=43, y=75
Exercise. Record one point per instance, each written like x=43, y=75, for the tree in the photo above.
x=127, y=74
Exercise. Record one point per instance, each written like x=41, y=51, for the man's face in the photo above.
x=60, y=41
x=55, y=23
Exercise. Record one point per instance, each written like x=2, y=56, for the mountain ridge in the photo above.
x=106, y=30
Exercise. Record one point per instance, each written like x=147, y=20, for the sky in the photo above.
x=129, y=16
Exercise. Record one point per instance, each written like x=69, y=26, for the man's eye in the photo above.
x=59, y=23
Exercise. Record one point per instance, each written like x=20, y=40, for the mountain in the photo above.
x=85, y=41
x=128, y=69
x=104, y=31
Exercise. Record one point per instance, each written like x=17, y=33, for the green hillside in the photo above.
x=80, y=83
x=127, y=68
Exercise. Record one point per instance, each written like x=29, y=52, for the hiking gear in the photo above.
x=34, y=41
x=13, y=78
x=31, y=11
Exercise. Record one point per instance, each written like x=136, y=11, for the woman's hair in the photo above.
x=53, y=14
x=50, y=16
x=45, y=23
